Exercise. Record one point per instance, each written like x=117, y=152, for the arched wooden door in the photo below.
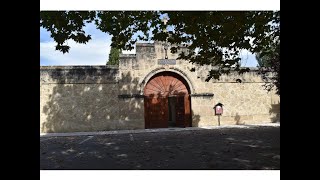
x=158, y=91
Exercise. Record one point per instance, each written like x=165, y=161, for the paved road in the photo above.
x=228, y=148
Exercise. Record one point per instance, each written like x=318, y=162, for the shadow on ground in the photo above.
x=247, y=148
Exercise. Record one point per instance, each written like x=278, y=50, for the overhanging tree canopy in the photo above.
x=217, y=36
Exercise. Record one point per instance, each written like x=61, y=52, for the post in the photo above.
x=219, y=120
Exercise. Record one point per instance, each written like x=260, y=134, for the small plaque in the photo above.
x=167, y=62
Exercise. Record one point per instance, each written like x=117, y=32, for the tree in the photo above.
x=264, y=57
x=114, y=56
x=269, y=66
x=218, y=36
x=263, y=61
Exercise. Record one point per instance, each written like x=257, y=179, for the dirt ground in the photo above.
x=215, y=149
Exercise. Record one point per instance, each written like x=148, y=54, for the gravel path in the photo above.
x=225, y=148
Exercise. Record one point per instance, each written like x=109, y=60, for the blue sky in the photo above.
x=95, y=52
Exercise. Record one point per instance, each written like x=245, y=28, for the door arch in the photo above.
x=167, y=101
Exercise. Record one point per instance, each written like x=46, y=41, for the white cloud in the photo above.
x=248, y=59
x=95, y=52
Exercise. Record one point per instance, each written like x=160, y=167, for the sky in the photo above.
x=95, y=52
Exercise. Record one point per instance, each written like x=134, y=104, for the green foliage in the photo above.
x=218, y=35
x=114, y=56
x=64, y=25
x=263, y=61
x=269, y=62
x=264, y=57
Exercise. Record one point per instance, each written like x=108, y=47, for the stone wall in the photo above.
x=96, y=98
x=244, y=103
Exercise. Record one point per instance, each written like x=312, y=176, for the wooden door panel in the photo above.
x=146, y=112
x=187, y=111
x=157, y=91
x=180, y=114
x=165, y=85
x=156, y=112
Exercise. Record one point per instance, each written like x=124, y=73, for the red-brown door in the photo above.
x=180, y=116
x=157, y=91
x=187, y=111
x=183, y=116
x=156, y=114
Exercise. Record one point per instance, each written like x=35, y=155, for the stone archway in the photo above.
x=167, y=101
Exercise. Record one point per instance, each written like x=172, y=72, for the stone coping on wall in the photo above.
x=123, y=96
x=209, y=95
x=81, y=67
x=127, y=55
x=79, y=74
x=145, y=44
x=232, y=70
x=111, y=66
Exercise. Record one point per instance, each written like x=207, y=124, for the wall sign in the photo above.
x=166, y=61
